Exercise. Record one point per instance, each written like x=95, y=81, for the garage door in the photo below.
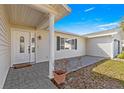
x=99, y=46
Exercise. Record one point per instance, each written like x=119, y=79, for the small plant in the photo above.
x=123, y=49
x=122, y=25
x=121, y=56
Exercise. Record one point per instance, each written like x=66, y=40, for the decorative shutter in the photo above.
x=58, y=43
x=75, y=44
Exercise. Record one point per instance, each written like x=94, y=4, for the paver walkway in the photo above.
x=76, y=63
x=35, y=77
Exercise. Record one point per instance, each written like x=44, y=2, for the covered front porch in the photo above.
x=36, y=77
x=28, y=19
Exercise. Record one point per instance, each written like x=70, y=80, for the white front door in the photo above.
x=24, y=47
x=32, y=47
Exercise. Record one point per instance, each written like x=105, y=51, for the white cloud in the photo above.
x=102, y=28
x=108, y=25
x=89, y=9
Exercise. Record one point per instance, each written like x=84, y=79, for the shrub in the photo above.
x=121, y=56
x=122, y=48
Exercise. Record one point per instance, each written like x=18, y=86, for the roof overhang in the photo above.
x=68, y=33
x=35, y=15
x=59, y=10
x=101, y=33
x=109, y=34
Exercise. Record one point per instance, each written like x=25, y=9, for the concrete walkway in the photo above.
x=35, y=77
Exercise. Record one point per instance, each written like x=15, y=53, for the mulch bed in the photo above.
x=85, y=78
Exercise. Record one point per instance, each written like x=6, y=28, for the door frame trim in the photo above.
x=12, y=43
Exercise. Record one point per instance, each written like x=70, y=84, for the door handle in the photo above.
x=29, y=49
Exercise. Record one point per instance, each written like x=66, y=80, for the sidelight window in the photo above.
x=22, y=45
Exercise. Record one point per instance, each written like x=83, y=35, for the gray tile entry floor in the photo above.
x=36, y=77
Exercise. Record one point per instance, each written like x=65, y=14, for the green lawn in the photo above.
x=111, y=68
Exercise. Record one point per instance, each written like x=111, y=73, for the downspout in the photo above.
x=112, y=47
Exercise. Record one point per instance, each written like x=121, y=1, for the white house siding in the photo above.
x=122, y=40
x=99, y=46
x=118, y=36
x=70, y=53
x=43, y=47
x=4, y=46
x=122, y=35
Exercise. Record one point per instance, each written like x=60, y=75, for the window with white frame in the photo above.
x=66, y=43
x=62, y=43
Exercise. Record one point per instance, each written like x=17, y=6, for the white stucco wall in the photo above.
x=4, y=46
x=43, y=47
x=99, y=46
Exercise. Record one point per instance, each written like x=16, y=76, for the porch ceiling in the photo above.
x=24, y=15
x=33, y=15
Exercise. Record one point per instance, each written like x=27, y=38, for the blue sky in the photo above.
x=88, y=18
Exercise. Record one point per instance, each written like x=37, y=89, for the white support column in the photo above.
x=51, y=45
